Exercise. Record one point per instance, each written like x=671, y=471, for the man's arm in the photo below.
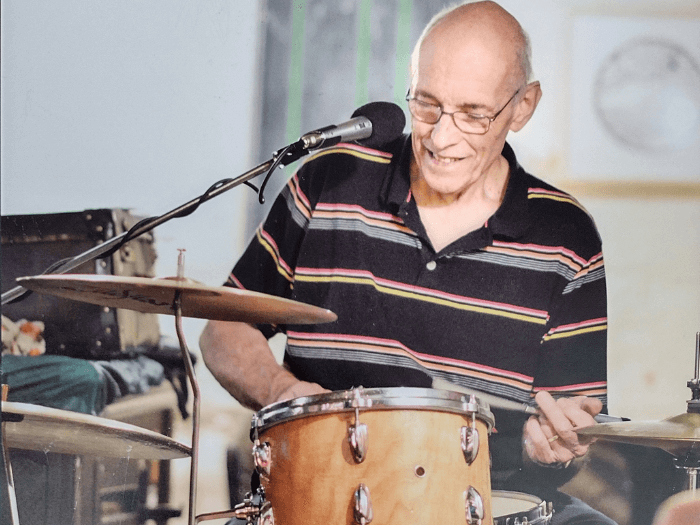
x=239, y=357
x=572, y=363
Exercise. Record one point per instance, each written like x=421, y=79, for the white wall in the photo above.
x=132, y=104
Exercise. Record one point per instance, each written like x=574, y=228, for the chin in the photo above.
x=445, y=185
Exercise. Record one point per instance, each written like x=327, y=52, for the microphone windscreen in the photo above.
x=388, y=122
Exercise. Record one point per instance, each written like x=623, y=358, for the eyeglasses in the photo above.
x=465, y=122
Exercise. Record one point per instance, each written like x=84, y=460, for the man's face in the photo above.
x=466, y=76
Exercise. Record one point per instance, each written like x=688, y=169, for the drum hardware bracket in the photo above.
x=469, y=438
x=262, y=452
x=262, y=457
x=473, y=506
x=357, y=438
x=363, y=505
x=357, y=433
x=470, y=443
x=248, y=510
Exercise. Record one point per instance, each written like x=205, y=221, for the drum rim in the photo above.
x=536, y=514
x=385, y=398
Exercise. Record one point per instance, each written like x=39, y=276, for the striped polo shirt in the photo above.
x=517, y=306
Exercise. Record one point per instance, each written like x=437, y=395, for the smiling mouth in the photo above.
x=442, y=160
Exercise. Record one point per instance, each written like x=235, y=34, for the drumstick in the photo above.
x=507, y=404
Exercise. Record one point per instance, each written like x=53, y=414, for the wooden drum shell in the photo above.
x=414, y=467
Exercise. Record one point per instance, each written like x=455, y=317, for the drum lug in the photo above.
x=470, y=443
x=267, y=517
x=357, y=438
x=363, y=505
x=262, y=457
x=357, y=433
x=473, y=506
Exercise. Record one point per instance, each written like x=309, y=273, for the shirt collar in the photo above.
x=397, y=182
x=510, y=219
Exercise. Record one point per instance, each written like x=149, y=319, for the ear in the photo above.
x=526, y=106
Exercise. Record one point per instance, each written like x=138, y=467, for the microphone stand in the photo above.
x=281, y=157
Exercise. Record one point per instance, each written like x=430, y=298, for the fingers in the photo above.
x=591, y=407
x=551, y=436
x=544, y=447
x=565, y=414
x=540, y=447
x=590, y=404
x=300, y=389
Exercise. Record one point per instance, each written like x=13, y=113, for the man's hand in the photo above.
x=301, y=388
x=549, y=438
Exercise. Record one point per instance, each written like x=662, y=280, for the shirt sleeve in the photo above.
x=268, y=263
x=573, y=357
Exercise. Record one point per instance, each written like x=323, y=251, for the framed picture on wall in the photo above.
x=635, y=111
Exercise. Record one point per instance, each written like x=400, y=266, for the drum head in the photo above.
x=514, y=507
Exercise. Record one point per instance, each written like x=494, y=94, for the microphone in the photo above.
x=372, y=125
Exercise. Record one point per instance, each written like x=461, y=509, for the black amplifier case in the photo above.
x=32, y=243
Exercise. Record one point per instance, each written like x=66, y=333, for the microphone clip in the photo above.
x=281, y=157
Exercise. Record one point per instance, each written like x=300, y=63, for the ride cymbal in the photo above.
x=676, y=435
x=157, y=296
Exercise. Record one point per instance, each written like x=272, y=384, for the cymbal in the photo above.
x=34, y=427
x=676, y=435
x=157, y=296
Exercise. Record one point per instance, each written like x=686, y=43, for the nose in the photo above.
x=445, y=131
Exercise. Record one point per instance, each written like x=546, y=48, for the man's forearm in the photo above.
x=239, y=357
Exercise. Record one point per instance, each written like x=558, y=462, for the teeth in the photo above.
x=444, y=160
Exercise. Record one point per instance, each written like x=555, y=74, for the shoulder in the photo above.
x=347, y=157
x=561, y=217
x=346, y=166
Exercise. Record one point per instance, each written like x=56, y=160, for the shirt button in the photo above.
x=431, y=265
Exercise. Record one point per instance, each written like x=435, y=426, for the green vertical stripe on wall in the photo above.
x=363, y=47
x=403, y=51
x=296, y=72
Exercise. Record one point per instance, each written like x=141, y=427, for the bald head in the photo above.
x=484, y=22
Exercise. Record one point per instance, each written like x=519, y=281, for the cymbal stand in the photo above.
x=11, y=494
x=194, y=459
x=694, y=384
x=691, y=461
x=692, y=469
x=247, y=510
x=693, y=480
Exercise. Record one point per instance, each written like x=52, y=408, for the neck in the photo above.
x=447, y=218
x=488, y=189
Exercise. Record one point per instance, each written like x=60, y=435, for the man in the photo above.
x=442, y=258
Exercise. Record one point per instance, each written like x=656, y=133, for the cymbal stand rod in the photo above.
x=11, y=494
x=697, y=356
x=693, y=480
x=195, y=409
x=694, y=384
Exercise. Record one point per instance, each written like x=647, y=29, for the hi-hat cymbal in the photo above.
x=34, y=427
x=157, y=296
x=676, y=435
